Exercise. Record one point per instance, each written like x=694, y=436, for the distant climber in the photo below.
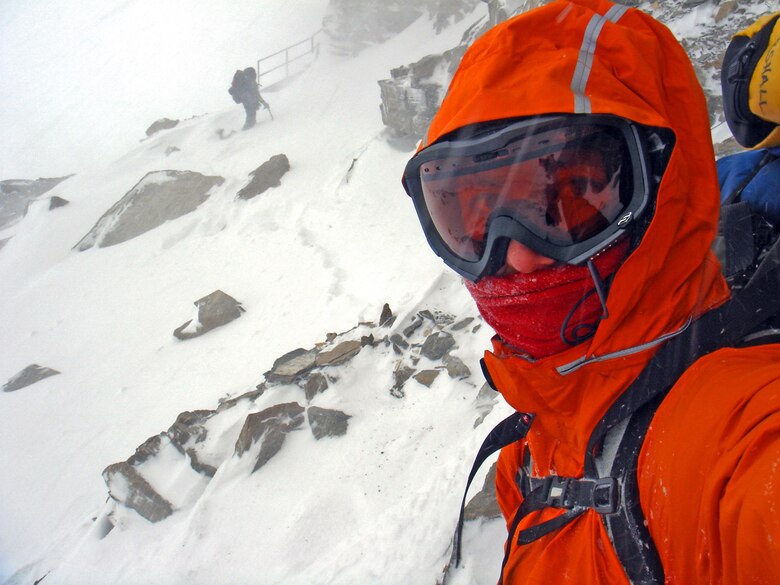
x=244, y=91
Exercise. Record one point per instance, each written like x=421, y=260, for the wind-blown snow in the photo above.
x=320, y=253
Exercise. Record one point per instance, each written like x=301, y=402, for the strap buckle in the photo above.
x=601, y=494
x=605, y=495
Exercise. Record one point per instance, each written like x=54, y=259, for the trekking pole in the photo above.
x=269, y=111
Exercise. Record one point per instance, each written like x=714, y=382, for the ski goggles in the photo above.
x=564, y=186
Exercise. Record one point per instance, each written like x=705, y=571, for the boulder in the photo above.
x=190, y=427
x=386, y=318
x=292, y=365
x=267, y=175
x=129, y=488
x=484, y=504
x=401, y=375
x=463, y=323
x=269, y=427
x=214, y=310
x=160, y=125
x=55, y=202
x=158, y=197
x=327, y=423
x=455, y=367
x=28, y=376
x=315, y=384
x=343, y=352
x=437, y=344
x=426, y=377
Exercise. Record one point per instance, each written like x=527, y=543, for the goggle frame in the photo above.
x=503, y=228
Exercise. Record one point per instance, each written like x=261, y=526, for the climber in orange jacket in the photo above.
x=569, y=177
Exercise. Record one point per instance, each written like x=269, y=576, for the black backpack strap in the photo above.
x=626, y=527
x=723, y=327
x=513, y=428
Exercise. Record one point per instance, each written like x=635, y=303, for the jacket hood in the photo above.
x=593, y=56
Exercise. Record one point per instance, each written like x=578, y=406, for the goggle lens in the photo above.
x=563, y=184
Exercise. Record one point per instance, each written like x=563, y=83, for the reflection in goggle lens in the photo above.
x=563, y=185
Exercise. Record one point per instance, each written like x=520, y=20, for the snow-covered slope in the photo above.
x=320, y=253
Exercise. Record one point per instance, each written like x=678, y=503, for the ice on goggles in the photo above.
x=564, y=186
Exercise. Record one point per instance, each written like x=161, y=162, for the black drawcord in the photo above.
x=584, y=331
x=601, y=288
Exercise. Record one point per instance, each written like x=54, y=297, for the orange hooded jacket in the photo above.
x=709, y=470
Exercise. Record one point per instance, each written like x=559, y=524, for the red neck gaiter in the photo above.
x=527, y=311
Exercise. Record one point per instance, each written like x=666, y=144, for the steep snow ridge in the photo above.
x=320, y=253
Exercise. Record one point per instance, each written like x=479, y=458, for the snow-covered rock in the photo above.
x=158, y=197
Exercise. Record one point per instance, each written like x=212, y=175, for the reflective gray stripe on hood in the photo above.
x=585, y=59
x=584, y=361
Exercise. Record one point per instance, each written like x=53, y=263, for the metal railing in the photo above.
x=288, y=55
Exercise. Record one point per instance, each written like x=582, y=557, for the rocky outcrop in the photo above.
x=160, y=125
x=158, y=197
x=269, y=428
x=213, y=311
x=484, y=505
x=267, y=175
x=414, y=92
x=128, y=487
x=28, y=376
x=258, y=424
x=412, y=95
x=17, y=194
x=327, y=423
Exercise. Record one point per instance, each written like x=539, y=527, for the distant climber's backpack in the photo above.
x=235, y=87
x=749, y=250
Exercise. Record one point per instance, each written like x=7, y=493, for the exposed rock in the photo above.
x=200, y=466
x=214, y=310
x=128, y=487
x=3, y=242
x=171, y=149
x=189, y=426
x=158, y=197
x=437, y=344
x=400, y=375
x=327, y=423
x=16, y=195
x=412, y=327
x=463, y=323
x=55, y=202
x=386, y=319
x=28, y=376
x=146, y=450
x=316, y=384
x=484, y=504
x=484, y=403
x=455, y=367
x=269, y=428
x=426, y=377
x=224, y=404
x=396, y=339
x=292, y=365
x=160, y=125
x=267, y=175
x=725, y=8
x=344, y=351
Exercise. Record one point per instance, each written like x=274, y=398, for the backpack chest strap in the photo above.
x=599, y=494
x=576, y=495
